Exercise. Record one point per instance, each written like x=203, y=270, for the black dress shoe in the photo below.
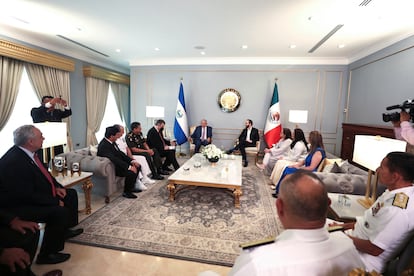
x=275, y=195
x=55, y=272
x=135, y=190
x=73, y=233
x=245, y=163
x=167, y=169
x=129, y=195
x=163, y=172
x=157, y=177
x=229, y=152
x=53, y=258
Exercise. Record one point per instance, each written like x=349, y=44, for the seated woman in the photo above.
x=277, y=151
x=312, y=161
x=298, y=150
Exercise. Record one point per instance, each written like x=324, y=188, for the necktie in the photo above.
x=116, y=146
x=45, y=173
x=203, y=133
x=162, y=139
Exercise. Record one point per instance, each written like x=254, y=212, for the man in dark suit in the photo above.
x=202, y=135
x=155, y=139
x=18, y=244
x=124, y=165
x=248, y=138
x=30, y=192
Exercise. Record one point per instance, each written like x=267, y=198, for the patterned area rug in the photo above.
x=201, y=225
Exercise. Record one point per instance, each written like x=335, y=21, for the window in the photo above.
x=111, y=116
x=26, y=100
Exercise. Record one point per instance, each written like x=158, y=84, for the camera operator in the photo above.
x=403, y=129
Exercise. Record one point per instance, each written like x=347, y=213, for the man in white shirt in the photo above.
x=305, y=247
x=387, y=226
x=403, y=129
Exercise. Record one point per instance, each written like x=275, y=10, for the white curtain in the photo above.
x=10, y=76
x=121, y=98
x=48, y=81
x=96, y=97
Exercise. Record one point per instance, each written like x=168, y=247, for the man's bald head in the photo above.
x=305, y=200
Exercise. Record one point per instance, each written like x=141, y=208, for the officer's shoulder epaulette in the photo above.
x=257, y=243
x=400, y=200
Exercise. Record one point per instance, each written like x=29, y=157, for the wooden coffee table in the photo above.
x=69, y=181
x=197, y=171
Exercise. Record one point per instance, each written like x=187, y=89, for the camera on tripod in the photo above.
x=395, y=116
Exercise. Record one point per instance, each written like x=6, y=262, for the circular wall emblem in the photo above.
x=229, y=100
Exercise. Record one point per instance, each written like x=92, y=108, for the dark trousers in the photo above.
x=154, y=162
x=198, y=143
x=169, y=159
x=56, y=219
x=242, y=147
x=12, y=239
x=130, y=179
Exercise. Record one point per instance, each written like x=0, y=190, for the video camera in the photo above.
x=395, y=116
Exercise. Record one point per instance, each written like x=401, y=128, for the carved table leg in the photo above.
x=171, y=188
x=87, y=187
x=237, y=193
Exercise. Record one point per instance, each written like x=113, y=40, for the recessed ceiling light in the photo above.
x=156, y=49
x=202, y=53
x=340, y=46
x=118, y=50
x=244, y=46
x=292, y=46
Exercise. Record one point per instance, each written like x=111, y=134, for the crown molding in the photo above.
x=100, y=73
x=27, y=54
x=241, y=61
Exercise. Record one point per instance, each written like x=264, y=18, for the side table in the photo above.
x=345, y=206
x=84, y=178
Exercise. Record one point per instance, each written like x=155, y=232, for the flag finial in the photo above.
x=276, y=79
x=181, y=79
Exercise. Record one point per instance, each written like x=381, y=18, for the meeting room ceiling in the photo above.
x=124, y=33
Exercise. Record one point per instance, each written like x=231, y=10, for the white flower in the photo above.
x=211, y=151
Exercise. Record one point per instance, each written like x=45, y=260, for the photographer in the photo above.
x=403, y=129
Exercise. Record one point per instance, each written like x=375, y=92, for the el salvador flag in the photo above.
x=180, y=123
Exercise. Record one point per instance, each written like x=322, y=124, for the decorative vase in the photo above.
x=213, y=161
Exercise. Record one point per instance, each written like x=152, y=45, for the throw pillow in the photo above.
x=328, y=168
x=336, y=168
x=345, y=166
x=93, y=150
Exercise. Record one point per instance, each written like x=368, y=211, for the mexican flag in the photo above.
x=273, y=126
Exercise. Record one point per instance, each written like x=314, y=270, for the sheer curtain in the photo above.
x=96, y=97
x=48, y=81
x=121, y=97
x=10, y=76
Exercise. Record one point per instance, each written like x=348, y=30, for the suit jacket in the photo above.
x=197, y=132
x=5, y=218
x=120, y=159
x=254, y=135
x=40, y=114
x=155, y=140
x=23, y=183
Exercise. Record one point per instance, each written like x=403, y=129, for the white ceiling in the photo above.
x=176, y=27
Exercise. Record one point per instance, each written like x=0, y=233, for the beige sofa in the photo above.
x=104, y=180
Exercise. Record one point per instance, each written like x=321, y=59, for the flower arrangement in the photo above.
x=212, y=152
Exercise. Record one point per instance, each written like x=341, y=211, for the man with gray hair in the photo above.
x=29, y=191
x=305, y=247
